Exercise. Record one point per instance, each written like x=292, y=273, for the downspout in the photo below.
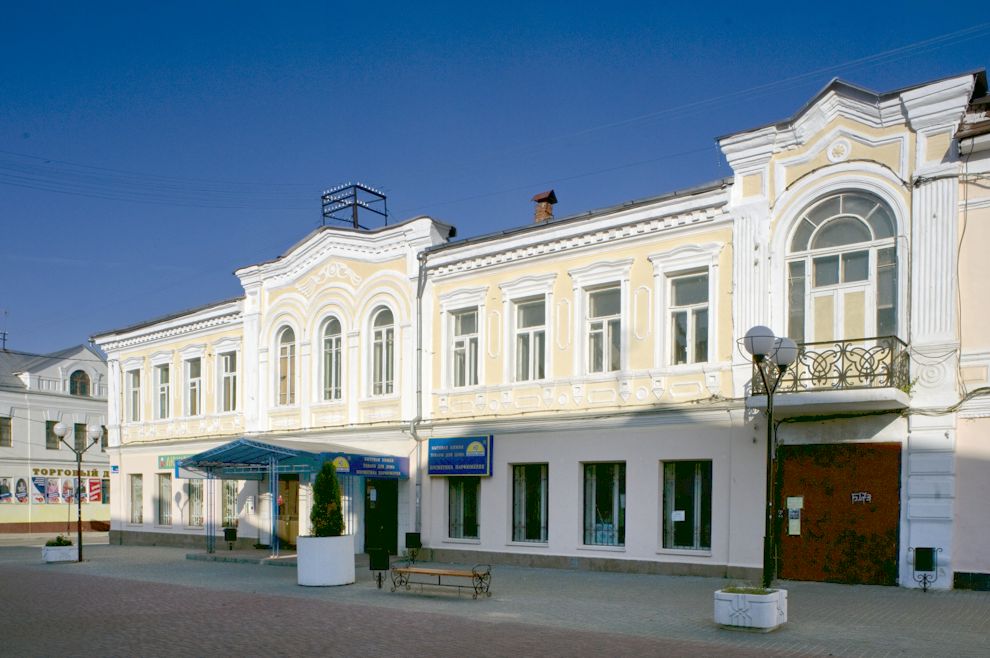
x=420, y=288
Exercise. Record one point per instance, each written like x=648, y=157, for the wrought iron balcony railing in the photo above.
x=881, y=362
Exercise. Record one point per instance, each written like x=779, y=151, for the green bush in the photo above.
x=326, y=516
x=59, y=541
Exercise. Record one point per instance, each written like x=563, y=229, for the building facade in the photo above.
x=38, y=475
x=574, y=392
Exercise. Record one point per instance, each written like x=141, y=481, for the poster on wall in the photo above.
x=6, y=493
x=38, y=488
x=69, y=490
x=53, y=493
x=95, y=491
x=21, y=491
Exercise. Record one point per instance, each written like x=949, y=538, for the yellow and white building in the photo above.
x=597, y=361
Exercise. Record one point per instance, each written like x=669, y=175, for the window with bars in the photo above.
x=164, y=499
x=194, y=491
x=137, y=498
x=605, y=504
x=229, y=504
x=529, y=502
x=463, y=507
x=687, y=505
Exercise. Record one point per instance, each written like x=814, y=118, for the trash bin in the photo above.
x=230, y=536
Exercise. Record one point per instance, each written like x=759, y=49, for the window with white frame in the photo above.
x=228, y=381
x=194, y=387
x=687, y=505
x=530, y=343
x=689, y=318
x=529, y=502
x=332, y=363
x=842, y=270
x=164, y=499
x=464, y=348
x=51, y=438
x=286, y=366
x=194, y=491
x=79, y=383
x=605, y=504
x=229, y=504
x=132, y=386
x=604, y=329
x=382, y=352
x=462, y=499
x=137, y=498
x=163, y=392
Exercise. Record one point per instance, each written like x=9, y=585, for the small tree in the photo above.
x=326, y=516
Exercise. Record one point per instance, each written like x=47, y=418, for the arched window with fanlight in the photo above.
x=382, y=352
x=331, y=359
x=286, y=366
x=79, y=384
x=842, y=270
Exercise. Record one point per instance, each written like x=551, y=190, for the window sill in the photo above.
x=700, y=552
x=232, y=412
x=457, y=540
x=340, y=402
x=163, y=527
x=528, y=544
x=193, y=527
x=391, y=397
x=602, y=549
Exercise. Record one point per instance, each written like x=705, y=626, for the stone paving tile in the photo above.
x=824, y=619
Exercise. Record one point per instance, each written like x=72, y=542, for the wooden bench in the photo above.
x=479, y=577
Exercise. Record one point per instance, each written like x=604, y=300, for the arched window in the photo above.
x=842, y=270
x=286, y=366
x=383, y=352
x=79, y=384
x=331, y=360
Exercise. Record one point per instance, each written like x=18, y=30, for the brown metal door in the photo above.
x=840, y=512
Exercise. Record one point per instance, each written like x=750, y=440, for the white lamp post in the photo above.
x=93, y=433
x=764, y=347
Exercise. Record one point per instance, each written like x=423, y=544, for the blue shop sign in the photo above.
x=469, y=455
x=373, y=466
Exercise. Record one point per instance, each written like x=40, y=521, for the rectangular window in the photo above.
x=132, y=387
x=463, y=507
x=229, y=507
x=795, y=300
x=51, y=439
x=331, y=366
x=137, y=499
x=604, y=330
x=886, y=292
x=687, y=505
x=689, y=318
x=605, y=504
x=104, y=438
x=163, y=400
x=105, y=491
x=6, y=440
x=79, y=436
x=164, y=499
x=194, y=488
x=194, y=387
x=383, y=360
x=531, y=340
x=529, y=502
x=228, y=381
x=465, y=348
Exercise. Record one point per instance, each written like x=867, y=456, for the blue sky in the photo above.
x=148, y=151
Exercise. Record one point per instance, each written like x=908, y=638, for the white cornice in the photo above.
x=939, y=104
x=168, y=330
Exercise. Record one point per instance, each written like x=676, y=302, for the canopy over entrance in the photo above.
x=248, y=459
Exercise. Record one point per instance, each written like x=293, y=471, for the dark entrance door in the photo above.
x=381, y=515
x=841, y=510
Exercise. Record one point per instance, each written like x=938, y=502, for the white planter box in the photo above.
x=59, y=553
x=758, y=612
x=325, y=561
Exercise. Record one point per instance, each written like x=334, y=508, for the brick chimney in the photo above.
x=544, y=206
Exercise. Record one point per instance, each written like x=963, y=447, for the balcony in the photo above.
x=868, y=374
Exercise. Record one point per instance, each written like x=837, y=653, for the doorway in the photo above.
x=840, y=512
x=381, y=515
x=288, y=510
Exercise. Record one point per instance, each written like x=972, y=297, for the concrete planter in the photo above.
x=325, y=561
x=59, y=553
x=756, y=612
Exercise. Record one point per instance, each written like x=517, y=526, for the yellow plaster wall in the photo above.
x=974, y=272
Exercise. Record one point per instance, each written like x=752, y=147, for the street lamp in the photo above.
x=765, y=348
x=93, y=432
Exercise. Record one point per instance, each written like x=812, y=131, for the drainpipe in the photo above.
x=420, y=288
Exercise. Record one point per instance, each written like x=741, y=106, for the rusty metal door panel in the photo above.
x=840, y=512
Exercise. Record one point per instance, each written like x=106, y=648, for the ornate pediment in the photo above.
x=324, y=274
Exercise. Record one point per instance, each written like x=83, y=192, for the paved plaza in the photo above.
x=151, y=601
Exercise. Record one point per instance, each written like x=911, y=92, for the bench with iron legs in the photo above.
x=479, y=577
